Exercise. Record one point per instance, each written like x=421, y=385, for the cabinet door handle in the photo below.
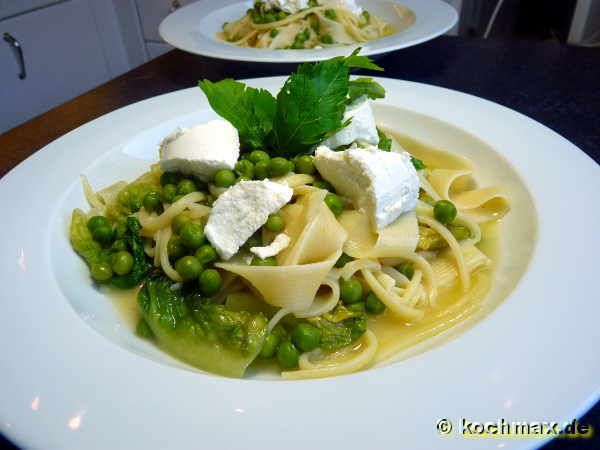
x=18, y=50
x=175, y=5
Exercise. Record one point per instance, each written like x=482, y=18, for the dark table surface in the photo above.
x=555, y=84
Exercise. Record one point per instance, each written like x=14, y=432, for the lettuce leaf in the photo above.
x=200, y=332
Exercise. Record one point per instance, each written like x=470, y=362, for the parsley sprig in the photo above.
x=308, y=109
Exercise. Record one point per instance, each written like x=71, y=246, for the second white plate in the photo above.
x=193, y=28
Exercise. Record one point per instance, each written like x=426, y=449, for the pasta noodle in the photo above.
x=397, y=239
x=316, y=26
x=401, y=278
x=481, y=205
x=331, y=365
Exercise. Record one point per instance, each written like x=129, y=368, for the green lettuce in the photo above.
x=200, y=332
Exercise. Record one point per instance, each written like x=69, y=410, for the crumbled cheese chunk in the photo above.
x=384, y=184
x=349, y=5
x=362, y=129
x=201, y=150
x=290, y=6
x=240, y=211
x=280, y=242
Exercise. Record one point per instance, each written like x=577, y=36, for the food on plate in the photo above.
x=294, y=230
x=302, y=24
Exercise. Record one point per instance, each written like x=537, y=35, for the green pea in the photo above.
x=118, y=245
x=327, y=39
x=192, y=236
x=206, y=254
x=224, y=178
x=335, y=204
x=279, y=166
x=152, y=201
x=275, y=223
x=143, y=330
x=186, y=186
x=444, y=211
x=175, y=248
x=169, y=178
x=101, y=272
x=330, y=14
x=417, y=163
x=258, y=155
x=120, y=231
x=210, y=281
x=188, y=267
x=270, y=261
x=97, y=221
x=261, y=170
x=169, y=192
x=287, y=355
x=245, y=169
x=179, y=221
x=373, y=305
x=280, y=15
x=343, y=260
x=268, y=18
x=274, y=32
x=103, y=234
x=306, y=337
x=304, y=164
x=269, y=346
x=406, y=269
x=322, y=184
x=351, y=290
x=122, y=262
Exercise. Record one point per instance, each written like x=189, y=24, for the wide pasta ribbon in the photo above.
x=317, y=241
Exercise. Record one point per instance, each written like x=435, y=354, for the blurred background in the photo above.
x=54, y=50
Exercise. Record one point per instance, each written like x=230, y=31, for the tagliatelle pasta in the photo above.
x=254, y=249
x=316, y=26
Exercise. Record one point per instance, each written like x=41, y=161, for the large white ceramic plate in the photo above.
x=193, y=28
x=72, y=375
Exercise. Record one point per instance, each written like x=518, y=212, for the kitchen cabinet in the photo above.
x=151, y=13
x=63, y=56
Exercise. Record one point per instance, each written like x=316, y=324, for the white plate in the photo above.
x=73, y=376
x=193, y=28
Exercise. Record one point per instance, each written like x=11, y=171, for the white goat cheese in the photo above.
x=362, y=129
x=240, y=211
x=383, y=184
x=349, y=5
x=280, y=243
x=201, y=150
x=290, y=6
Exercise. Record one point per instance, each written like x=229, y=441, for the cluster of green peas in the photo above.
x=121, y=260
x=192, y=254
x=174, y=187
x=288, y=348
x=261, y=14
x=259, y=165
